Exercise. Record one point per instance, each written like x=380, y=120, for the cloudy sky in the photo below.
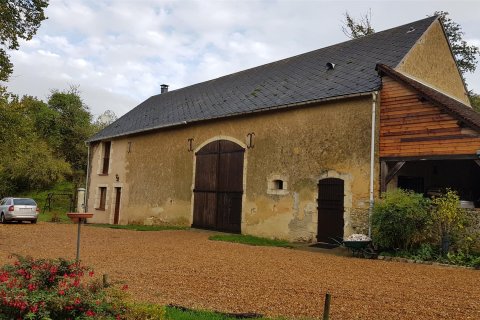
x=120, y=51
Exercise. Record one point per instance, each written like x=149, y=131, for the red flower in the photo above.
x=61, y=292
x=31, y=286
x=4, y=277
x=77, y=301
x=34, y=308
x=91, y=273
x=21, y=272
x=90, y=313
x=53, y=270
x=125, y=287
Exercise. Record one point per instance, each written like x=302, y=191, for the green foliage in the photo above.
x=357, y=28
x=474, y=101
x=465, y=55
x=173, y=313
x=137, y=227
x=28, y=162
x=426, y=252
x=447, y=214
x=461, y=258
x=456, y=223
x=399, y=220
x=42, y=143
x=145, y=311
x=71, y=127
x=251, y=240
x=20, y=19
x=429, y=252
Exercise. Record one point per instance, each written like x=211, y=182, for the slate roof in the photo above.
x=300, y=79
x=452, y=106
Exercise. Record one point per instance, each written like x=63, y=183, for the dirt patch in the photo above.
x=185, y=268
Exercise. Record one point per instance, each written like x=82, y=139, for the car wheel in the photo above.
x=34, y=221
x=2, y=218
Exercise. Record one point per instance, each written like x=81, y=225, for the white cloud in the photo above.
x=120, y=51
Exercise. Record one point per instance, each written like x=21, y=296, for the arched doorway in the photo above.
x=218, y=187
x=330, y=210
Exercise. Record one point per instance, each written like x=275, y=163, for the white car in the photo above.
x=18, y=209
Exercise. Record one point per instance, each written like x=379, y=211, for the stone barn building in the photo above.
x=297, y=149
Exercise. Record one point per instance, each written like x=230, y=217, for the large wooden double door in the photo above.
x=219, y=187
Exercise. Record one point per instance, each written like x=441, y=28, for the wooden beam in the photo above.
x=477, y=162
x=394, y=171
x=383, y=176
x=430, y=157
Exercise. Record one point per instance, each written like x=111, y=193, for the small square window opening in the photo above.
x=278, y=184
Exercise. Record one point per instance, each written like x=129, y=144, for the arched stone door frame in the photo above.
x=218, y=196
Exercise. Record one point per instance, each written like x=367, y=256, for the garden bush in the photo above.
x=454, y=225
x=62, y=289
x=401, y=220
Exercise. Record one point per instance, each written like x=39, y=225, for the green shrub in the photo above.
x=455, y=223
x=426, y=252
x=144, y=311
x=401, y=220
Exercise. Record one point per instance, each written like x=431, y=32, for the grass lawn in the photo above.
x=251, y=240
x=137, y=227
x=60, y=204
x=173, y=313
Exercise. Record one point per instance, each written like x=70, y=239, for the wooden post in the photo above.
x=105, y=280
x=326, y=307
x=383, y=176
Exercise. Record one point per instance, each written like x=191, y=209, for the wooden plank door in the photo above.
x=219, y=187
x=330, y=210
x=118, y=195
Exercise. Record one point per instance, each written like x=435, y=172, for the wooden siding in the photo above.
x=411, y=126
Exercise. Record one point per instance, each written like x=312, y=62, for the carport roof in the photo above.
x=297, y=80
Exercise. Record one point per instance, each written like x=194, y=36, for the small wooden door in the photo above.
x=219, y=187
x=118, y=194
x=330, y=210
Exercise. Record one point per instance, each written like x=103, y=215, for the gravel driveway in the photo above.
x=185, y=268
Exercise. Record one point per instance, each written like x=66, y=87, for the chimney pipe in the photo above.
x=164, y=88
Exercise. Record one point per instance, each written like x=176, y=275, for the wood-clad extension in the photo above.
x=411, y=126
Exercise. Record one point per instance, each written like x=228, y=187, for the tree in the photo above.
x=72, y=127
x=465, y=55
x=20, y=19
x=28, y=162
x=357, y=28
x=475, y=101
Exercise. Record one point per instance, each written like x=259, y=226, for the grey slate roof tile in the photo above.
x=297, y=79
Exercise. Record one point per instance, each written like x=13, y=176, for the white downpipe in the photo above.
x=86, y=179
x=372, y=163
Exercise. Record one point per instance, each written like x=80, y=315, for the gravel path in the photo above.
x=185, y=268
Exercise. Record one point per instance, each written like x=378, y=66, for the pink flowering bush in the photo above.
x=55, y=289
